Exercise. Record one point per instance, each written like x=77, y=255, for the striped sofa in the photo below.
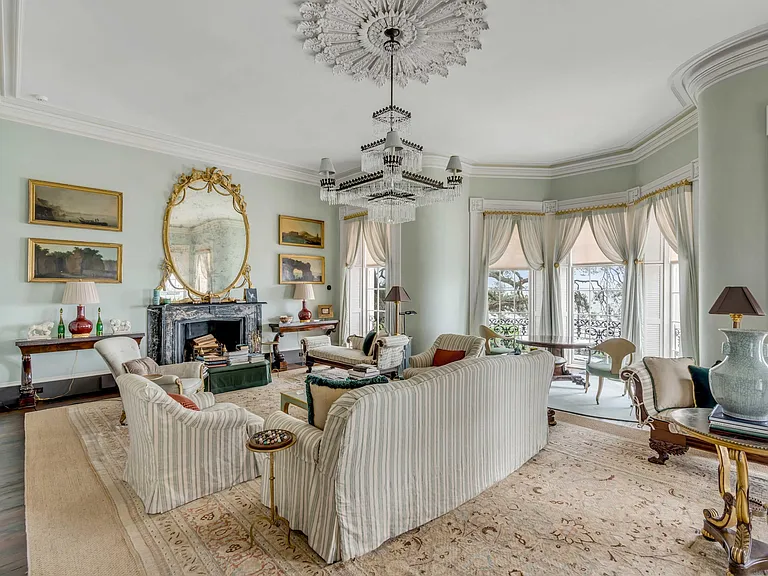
x=473, y=347
x=395, y=456
x=177, y=455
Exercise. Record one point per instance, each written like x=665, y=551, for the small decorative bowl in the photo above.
x=286, y=319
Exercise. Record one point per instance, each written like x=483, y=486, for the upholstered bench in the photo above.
x=386, y=353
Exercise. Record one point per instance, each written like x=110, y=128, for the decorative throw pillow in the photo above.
x=322, y=393
x=370, y=338
x=672, y=383
x=142, y=366
x=702, y=395
x=184, y=401
x=443, y=357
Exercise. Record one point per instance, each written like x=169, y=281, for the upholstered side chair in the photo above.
x=473, y=347
x=185, y=378
x=176, y=454
x=615, y=350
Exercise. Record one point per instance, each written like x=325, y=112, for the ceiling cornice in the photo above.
x=47, y=116
x=728, y=58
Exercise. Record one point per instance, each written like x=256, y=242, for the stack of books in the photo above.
x=720, y=422
x=255, y=357
x=239, y=356
x=213, y=360
x=206, y=345
x=363, y=371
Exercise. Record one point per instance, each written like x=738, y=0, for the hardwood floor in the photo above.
x=13, y=540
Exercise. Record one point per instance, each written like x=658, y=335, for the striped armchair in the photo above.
x=177, y=455
x=395, y=456
x=473, y=347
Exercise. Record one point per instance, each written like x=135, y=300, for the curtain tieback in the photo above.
x=639, y=261
x=557, y=264
x=624, y=262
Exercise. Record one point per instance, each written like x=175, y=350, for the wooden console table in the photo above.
x=281, y=328
x=41, y=346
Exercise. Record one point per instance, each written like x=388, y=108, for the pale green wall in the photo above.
x=733, y=159
x=146, y=179
x=673, y=156
x=593, y=183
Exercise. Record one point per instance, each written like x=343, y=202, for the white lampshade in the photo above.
x=454, y=165
x=326, y=167
x=80, y=293
x=393, y=142
x=303, y=292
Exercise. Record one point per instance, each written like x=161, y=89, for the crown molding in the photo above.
x=735, y=55
x=46, y=116
x=11, y=17
x=635, y=151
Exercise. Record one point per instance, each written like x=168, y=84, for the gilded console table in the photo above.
x=328, y=326
x=733, y=528
x=41, y=346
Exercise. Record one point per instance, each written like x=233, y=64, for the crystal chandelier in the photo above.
x=392, y=187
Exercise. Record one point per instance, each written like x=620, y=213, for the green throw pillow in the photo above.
x=329, y=391
x=701, y=392
x=370, y=338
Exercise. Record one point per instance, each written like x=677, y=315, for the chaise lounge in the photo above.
x=387, y=352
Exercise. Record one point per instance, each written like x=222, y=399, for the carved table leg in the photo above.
x=727, y=519
x=742, y=545
x=278, y=360
x=26, y=390
x=665, y=449
x=551, y=417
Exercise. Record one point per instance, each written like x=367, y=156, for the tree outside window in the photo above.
x=509, y=301
x=597, y=302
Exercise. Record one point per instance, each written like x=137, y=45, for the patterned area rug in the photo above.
x=589, y=503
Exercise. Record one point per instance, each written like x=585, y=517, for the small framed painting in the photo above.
x=69, y=260
x=325, y=311
x=55, y=204
x=296, y=231
x=301, y=269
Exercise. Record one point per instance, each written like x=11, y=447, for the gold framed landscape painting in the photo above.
x=56, y=204
x=296, y=231
x=70, y=260
x=301, y=269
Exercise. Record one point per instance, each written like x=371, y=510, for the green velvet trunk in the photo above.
x=227, y=378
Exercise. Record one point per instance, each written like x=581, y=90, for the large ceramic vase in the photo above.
x=740, y=383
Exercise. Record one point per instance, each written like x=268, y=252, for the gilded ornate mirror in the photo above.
x=206, y=235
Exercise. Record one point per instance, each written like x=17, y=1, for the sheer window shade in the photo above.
x=586, y=251
x=513, y=258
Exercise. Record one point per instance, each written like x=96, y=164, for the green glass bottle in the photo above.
x=62, y=329
x=99, y=326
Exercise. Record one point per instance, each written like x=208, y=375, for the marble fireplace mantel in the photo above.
x=165, y=325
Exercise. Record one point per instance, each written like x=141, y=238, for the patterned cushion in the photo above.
x=322, y=393
x=443, y=357
x=184, y=401
x=142, y=366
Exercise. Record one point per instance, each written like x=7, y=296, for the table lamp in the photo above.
x=397, y=294
x=736, y=301
x=304, y=292
x=80, y=293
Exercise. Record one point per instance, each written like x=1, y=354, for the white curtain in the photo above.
x=497, y=231
x=547, y=241
x=352, y=232
x=567, y=228
x=621, y=236
x=377, y=242
x=674, y=213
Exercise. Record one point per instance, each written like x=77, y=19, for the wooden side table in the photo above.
x=29, y=347
x=281, y=328
x=745, y=555
x=270, y=442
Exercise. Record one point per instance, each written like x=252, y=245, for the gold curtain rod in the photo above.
x=356, y=215
x=685, y=182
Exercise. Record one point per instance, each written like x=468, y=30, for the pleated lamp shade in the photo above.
x=80, y=293
x=303, y=292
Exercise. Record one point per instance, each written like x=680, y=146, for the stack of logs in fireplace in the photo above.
x=209, y=350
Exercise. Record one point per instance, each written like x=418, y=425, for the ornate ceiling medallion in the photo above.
x=350, y=36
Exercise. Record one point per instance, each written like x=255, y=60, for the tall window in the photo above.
x=596, y=291
x=367, y=289
x=509, y=291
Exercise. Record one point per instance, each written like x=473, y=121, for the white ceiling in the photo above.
x=555, y=78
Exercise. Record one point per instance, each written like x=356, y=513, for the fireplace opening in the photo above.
x=230, y=333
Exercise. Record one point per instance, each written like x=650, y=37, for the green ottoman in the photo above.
x=238, y=376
